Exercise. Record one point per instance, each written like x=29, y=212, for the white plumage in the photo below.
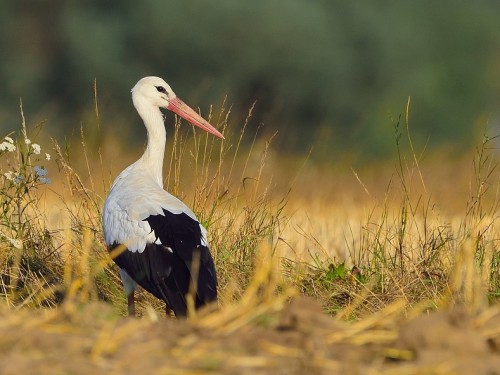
x=160, y=233
x=134, y=196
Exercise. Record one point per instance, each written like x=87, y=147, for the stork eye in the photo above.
x=161, y=89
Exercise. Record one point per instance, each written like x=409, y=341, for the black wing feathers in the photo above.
x=167, y=273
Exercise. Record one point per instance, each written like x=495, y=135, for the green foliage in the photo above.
x=329, y=71
x=336, y=272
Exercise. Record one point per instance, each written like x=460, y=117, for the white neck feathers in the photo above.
x=152, y=159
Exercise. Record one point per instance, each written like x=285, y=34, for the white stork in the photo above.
x=160, y=238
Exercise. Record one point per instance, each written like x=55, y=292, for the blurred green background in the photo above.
x=328, y=74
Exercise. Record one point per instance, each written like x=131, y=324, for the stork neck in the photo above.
x=155, y=149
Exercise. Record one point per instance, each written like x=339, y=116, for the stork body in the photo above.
x=161, y=245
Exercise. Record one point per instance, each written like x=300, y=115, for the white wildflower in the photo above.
x=9, y=139
x=7, y=146
x=47, y=156
x=9, y=175
x=27, y=141
x=18, y=244
x=40, y=171
x=36, y=148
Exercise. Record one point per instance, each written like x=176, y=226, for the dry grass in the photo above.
x=379, y=248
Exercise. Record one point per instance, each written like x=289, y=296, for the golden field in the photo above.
x=390, y=267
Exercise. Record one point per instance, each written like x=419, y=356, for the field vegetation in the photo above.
x=387, y=267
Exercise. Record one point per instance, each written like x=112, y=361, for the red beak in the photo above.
x=182, y=109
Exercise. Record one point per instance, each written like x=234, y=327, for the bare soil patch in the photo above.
x=298, y=339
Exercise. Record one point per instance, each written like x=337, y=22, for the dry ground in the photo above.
x=295, y=338
x=381, y=270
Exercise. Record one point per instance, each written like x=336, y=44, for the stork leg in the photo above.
x=131, y=304
x=129, y=285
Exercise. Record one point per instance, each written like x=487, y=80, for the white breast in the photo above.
x=134, y=196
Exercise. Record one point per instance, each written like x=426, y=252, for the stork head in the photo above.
x=155, y=91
